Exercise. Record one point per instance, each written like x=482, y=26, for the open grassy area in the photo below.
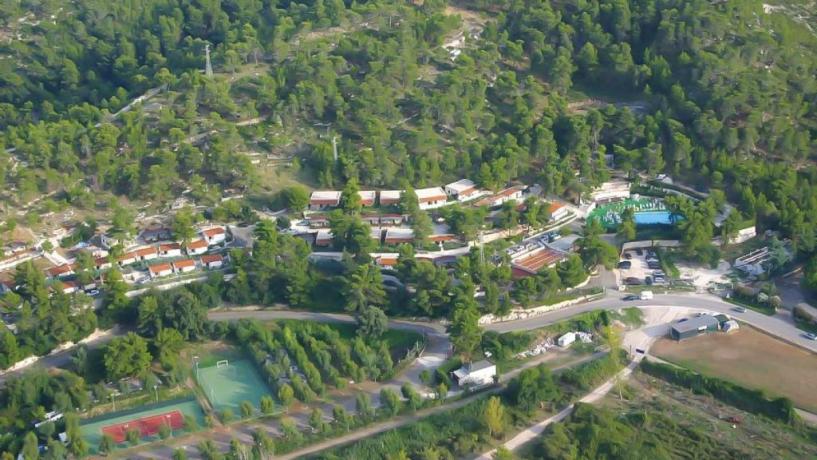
x=671, y=409
x=749, y=358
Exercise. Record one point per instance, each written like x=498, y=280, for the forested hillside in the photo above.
x=720, y=95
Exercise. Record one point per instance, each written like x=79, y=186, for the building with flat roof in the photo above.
x=503, y=196
x=430, y=198
x=324, y=199
x=390, y=197
x=611, y=191
x=530, y=263
x=694, y=327
x=462, y=189
x=324, y=237
x=476, y=373
x=399, y=235
x=367, y=197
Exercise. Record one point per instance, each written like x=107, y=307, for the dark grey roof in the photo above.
x=693, y=324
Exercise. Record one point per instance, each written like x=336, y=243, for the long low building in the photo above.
x=532, y=262
x=430, y=198
x=324, y=199
x=693, y=327
x=390, y=197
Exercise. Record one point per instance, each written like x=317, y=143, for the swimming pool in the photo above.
x=654, y=218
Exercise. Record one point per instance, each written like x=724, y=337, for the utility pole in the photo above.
x=335, y=148
x=208, y=68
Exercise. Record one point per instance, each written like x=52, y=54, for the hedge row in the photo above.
x=754, y=401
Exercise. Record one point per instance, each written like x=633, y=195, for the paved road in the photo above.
x=612, y=301
x=62, y=358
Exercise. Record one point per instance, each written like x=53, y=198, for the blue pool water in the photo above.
x=654, y=218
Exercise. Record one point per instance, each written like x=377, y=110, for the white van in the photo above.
x=646, y=295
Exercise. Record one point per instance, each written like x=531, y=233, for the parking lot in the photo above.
x=641, y=266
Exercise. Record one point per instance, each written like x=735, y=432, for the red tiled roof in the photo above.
x=555, y=207
x=208, y=259
x=146, y=251
x=169, y=247
x=60, y=270
x=158, y=268
x=538, y=260
x=213, y=231
x=324, y=201
x=184, y=263
x=128, y=255
x=198, y=244
x=442, y=237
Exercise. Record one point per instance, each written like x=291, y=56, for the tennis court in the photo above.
x=146, y=426
x=146, y=419
x=229, y=383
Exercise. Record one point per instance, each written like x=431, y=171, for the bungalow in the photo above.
x=616, y=190
x=386, y=260
x=102, y=263
x=462, y=190
x=214, y=235
x=367, y=197
x=323, y=199
x=324, y=237
x=557, y=211
x=317, y=221
x=69, y=287
x=390, y=197
x=371, y=219
x=60, y=271
x=148, y=253
x=430, y=198
x=212, y=261
x=399, y=235
x=156, y=234
x=197, y=247
x=478, y=373
x=128, y=258
x=442, y=237
x=532, y=262
x=391, y=219
x=184, y=265
x=170, y=250
x=377, y=234
x=509, y=194
x=159, y=270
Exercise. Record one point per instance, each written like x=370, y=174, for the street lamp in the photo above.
x=196, y=364
x=156, y=391
x=112, y=396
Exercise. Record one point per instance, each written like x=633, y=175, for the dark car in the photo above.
x=628, y=256
x=648, y=280
x=632, y=281
x=631, y=297
x=639, y=252
x=625, y=264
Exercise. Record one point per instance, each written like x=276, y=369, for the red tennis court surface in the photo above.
x=147, y=426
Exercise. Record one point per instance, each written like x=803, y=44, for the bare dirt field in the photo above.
x=751, y=358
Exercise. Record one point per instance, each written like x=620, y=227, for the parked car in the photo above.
x=639, y=252
x=93, y=292
x=811, y=336
x=631, y=297
x=628, y=255
x=648, y=280
x=625, y=264
x=740, y=309
x=632, y=281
